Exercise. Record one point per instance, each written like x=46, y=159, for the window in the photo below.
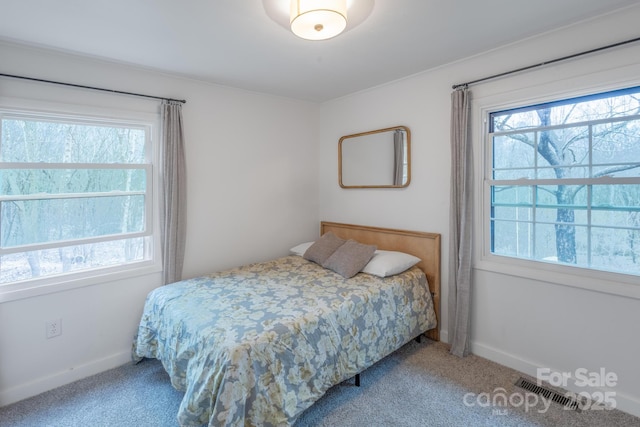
x=75, y=195
x=563, y=179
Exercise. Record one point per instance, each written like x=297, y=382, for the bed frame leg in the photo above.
x=357, y=380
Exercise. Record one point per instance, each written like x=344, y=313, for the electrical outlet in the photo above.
x=53, y=328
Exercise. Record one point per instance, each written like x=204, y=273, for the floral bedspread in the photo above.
x=257, y=345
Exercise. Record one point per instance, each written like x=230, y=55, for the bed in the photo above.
x=258, y=344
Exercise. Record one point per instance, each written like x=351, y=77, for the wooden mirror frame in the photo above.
x=363, y=134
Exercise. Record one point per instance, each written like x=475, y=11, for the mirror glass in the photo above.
x=376, y=159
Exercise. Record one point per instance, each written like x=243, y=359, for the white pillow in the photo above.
x=300, y=249
x=388, y=263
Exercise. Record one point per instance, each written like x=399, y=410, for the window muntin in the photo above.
x=75, y=195
x=563, y=180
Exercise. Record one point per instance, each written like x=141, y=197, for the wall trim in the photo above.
x=444, y=336
x=624, y=402
x=49, y=382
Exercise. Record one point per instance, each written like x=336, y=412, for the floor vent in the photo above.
x=547, y=393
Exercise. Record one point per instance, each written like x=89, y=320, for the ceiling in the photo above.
x=245, y=43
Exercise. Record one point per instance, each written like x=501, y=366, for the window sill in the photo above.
x=44, y=286
x=591, y=280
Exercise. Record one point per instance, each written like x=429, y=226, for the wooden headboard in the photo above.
x=425, y=246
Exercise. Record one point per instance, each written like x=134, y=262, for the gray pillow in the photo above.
x=350, y=258
x=322, y=248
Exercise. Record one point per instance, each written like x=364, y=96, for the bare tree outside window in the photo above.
x=565, y=182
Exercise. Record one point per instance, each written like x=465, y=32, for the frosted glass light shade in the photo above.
x=318, y=19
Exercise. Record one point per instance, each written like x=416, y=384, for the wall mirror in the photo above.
x=376, y=159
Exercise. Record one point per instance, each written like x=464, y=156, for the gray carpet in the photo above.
x=419, y=385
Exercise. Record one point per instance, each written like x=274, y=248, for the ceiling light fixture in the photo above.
x=318, y=19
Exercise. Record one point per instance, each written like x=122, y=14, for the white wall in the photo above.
x=518, y=322
x=252, y=194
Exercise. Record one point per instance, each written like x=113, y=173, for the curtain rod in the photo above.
x=92, y=88
x=564, y=58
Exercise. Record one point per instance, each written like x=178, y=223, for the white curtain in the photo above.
x=173, y=215
x=460, y=223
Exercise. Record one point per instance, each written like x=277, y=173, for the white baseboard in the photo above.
x=624, y=402
x=628, y=404
x=59, y=379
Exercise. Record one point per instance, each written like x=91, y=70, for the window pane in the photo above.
x=511, y=120
x=616, y=205
x=514, y=174
x=513, y=151
x=561, y=203
x=617, y=171
x=616, y=196
x=28, y=265
x=617, y=143
x=30, y=140
x=63, y=181
x=513, y=213
x=563, y=172
x=583, y=247
x=607, y=217
x=545, y=246
x=615, y=250
x=512, y=203
x=512, y=195
x=42, y=221
x=512, y=238
x=564, y=153
x=566, y=146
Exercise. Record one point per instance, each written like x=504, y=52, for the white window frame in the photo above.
x=75, y=113
x=572, y=276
